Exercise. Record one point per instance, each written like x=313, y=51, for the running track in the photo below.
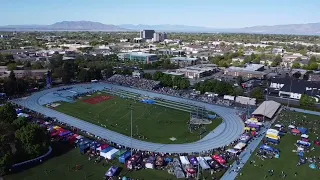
x=230, y=130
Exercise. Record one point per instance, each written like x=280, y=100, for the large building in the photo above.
x=184, y=61
x=140, y=57
x=294, y=88
x=36, y=74
x=194, y=72
x=159, y=37
x=251, y=71
x=146, y=34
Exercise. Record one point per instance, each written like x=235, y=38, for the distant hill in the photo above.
x=307, y=29
x=66, y=26
x=303, y=29
x=168, y=28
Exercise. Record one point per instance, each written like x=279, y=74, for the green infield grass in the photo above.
x=153, y=123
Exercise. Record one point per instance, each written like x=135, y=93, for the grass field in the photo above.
x=62, y=167
x=152, y=123
x=288, y=159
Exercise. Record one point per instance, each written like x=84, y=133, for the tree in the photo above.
x=19, y=122
x=108, y=72
x=307, y=101
x=147, y=76
x=296, y=75
x=37, y=65
x=83, y=75
x=10, y=84
x=33, y=140
x=296, y=65
x=239, y=80
x=157, y=75
x=12, y=66
x=166, y=80
x=184, y=83
x=7, y=113
x=257, y=93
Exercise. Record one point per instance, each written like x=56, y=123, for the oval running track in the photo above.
x=232, y=125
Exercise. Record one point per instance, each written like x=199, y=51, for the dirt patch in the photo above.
x=97, y=99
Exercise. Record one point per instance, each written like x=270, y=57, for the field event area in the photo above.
x=298, y=150
x=154, y=120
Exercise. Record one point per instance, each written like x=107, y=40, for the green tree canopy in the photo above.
x=307, y=101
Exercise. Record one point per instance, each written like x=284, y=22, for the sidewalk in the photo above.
x=231, y=173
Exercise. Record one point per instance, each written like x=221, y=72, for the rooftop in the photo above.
x=183, y=59
x=140, y=54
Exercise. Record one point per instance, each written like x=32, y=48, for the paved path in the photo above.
x=305, y=111
x=223, y=135
x=231, y=174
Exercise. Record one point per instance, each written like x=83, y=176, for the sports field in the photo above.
x=153, y=123
x=288, y=159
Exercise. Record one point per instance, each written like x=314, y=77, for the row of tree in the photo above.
x=219, y=87
x=19, y=140
x=177, y=82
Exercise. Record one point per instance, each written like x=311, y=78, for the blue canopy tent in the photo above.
x=303, y=130
x=148, y=101
x=267, y=148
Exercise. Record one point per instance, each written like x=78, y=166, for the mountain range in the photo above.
x=303, y=29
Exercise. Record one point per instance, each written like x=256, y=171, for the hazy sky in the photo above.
x=210, y=13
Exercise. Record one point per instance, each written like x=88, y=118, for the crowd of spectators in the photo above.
x=133, y=82
x=152, y=85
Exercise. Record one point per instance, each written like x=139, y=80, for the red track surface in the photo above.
x=98, y=99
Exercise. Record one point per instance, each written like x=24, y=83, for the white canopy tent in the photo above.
x=273, y=132
x=203, y=163
x=305, y=136
x=291, y=127
x=267, y=109
x=184, y=160
x=240, y=146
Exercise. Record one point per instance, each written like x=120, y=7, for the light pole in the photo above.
x=130, y=107
x=137, y=130
x=198, y=173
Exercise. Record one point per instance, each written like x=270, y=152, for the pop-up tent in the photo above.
x=305, y=136
x=253, y=125
x=219, y=159
x=203, y=163
x=112, y=171
x=184, y=160
x=272, y=131
x=272, y=136
x=295, y=131
x=240, y=146
x=267, y=148
x=112, y=153
x=124, y=157
x=291, y=127
x=194, y=161
x=102, y=147
x=278, y=126
x=232, y=151
x=303, y=130
x=303, y=143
